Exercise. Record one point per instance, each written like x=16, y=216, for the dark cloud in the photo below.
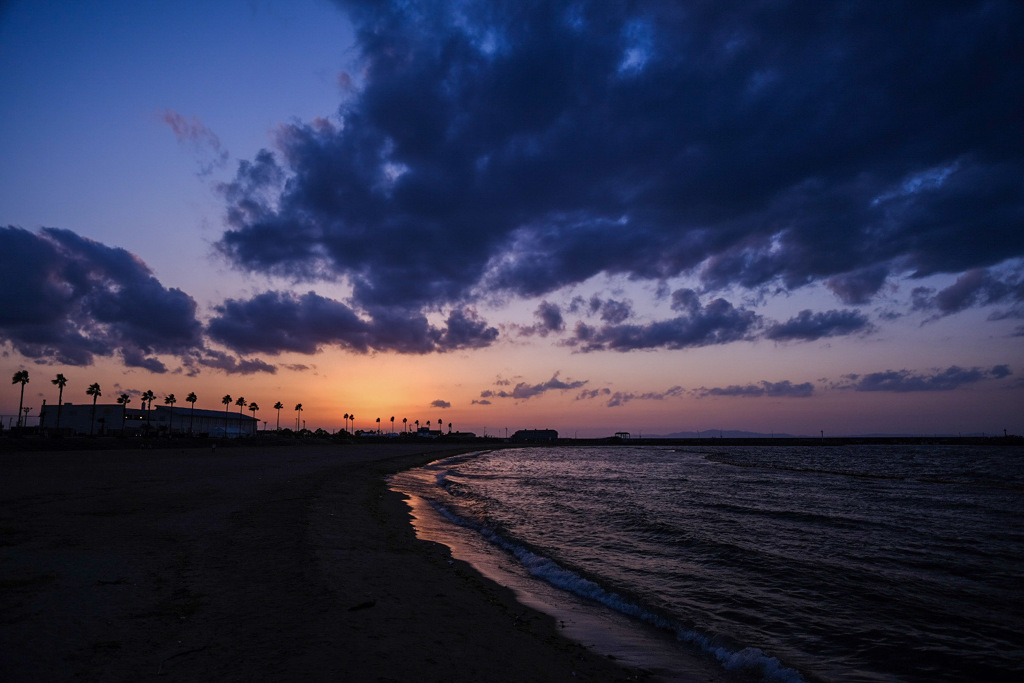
x=134, y=358
x=620, y=398
x=549, y=321
x=522, y=390
x=580, y=305
x=858, y=287
x=439, y=403
x=219, y=360
x=784, y=389
x=1001, y=371
x=68, y=299
x=902, y=381
x=590, y=394
x=616, y=312
x=297, y=367
x=718, y=322
x=480, y=402
x=464, y=329
x=550, y=317
x=526, y=146
x=808, y=326
x=979, y=287
x=277, y=322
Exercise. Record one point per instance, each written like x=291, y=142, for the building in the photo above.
x=116, y=419
x=535, y=436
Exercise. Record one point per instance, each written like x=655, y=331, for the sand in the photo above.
x=249, y=564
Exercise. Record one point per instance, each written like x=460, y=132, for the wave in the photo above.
x=747, y=659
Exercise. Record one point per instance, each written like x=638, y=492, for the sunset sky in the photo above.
x=651, y=217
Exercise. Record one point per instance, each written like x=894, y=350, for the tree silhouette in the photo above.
x=278, y=406
x=405, y=425
x=253, y=407
x=94, y=391
x=346, y=421
x=241, y=406
x=147, y=401
x=298, y=411
x=378, y=425
x=352, y=417
x=227, y=403
x=191, y=398
x=60, y=382
x=170, y=401
x=392, y=424
x=22, y=377
x=449, y=427
x=124, y=400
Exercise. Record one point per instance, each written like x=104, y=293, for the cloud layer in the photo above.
x=903, y=381
x=522, y=147
x=69, y=299
x=276, y=322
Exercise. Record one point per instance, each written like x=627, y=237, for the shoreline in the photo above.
x=632, y=642
x=250, y=563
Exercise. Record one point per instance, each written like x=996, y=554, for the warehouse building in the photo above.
x=115, y=419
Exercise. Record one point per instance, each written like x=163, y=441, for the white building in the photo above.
x=114, y=418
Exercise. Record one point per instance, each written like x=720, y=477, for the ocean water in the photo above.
x=844, y=563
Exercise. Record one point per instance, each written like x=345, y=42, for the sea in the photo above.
x=790, y=563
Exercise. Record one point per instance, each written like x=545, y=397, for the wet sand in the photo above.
x=249, y=564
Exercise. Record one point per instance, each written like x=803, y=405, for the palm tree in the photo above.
x=346, y=422
x=298, y=411
x=405, y=425
x=124, y=400
x=417, y=426
x=94, y=391
x=253, y=407
x=449, y=427
x=392, y=424
x=191, y=398
x=378, y=425
x=61, y=381
x=170, y=401
x=277, y=407
x=241, y=405
x=352, y=417
x=147, y=400
x=227, y=402
x=22, y=377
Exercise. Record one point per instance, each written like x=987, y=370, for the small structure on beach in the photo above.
x=535, y=436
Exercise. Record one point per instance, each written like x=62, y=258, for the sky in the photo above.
x=654, y=217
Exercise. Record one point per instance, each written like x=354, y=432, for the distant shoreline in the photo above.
x=34, y=442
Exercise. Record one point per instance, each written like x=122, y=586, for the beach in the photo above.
x=244, y=563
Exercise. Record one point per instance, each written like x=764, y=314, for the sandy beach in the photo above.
x=249, y=564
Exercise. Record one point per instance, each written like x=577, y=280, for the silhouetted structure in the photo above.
x=76, y=419
x=535, y=436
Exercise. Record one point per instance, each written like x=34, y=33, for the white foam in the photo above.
x=749, y=659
